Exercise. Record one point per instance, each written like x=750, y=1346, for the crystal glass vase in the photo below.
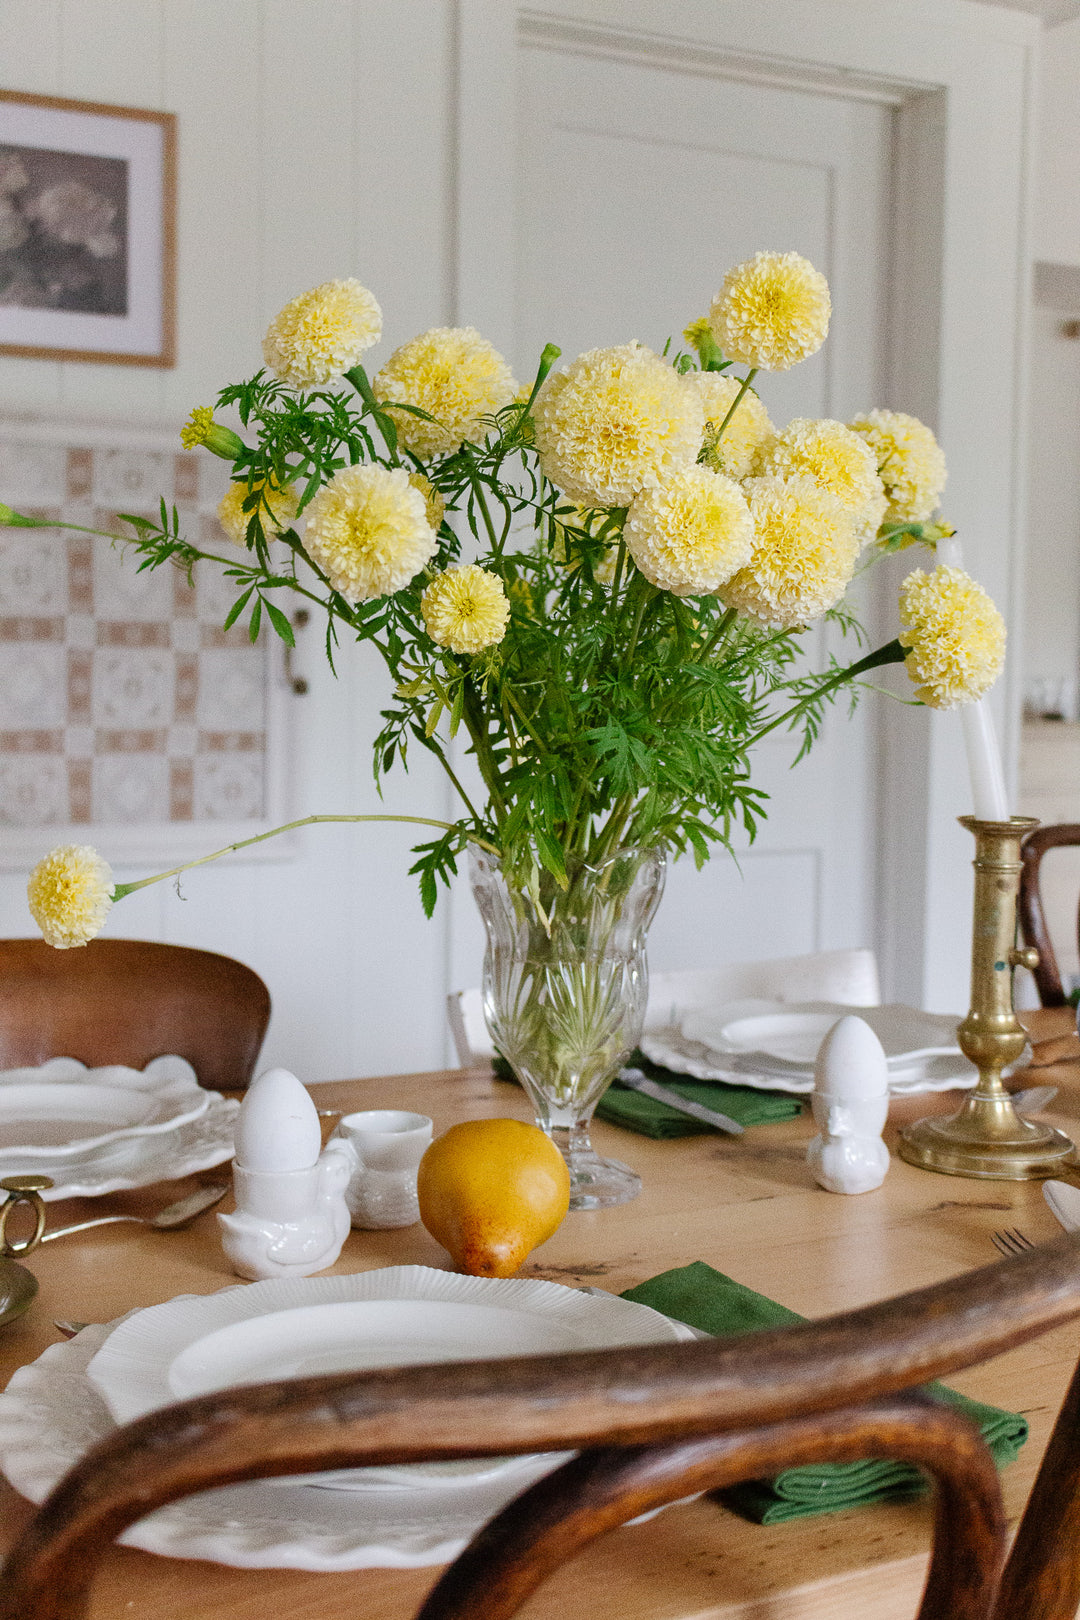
x=565, y=988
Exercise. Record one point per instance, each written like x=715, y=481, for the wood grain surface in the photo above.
x=748, y=1207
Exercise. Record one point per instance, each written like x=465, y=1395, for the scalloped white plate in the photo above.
x=50, y=1415
x=394, y=1317
x=139, y=1161
x=61, y=1110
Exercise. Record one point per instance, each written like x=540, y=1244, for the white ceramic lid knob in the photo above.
x=851, y=1061
x=277, y=1127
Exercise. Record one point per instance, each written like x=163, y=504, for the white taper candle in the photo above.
x=980, y=738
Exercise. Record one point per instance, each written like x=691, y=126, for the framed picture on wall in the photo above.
x=87, y=231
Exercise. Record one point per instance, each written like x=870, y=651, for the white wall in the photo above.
x=315, y=140
x=1056, y=219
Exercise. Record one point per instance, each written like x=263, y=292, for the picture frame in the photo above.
x=87, y=231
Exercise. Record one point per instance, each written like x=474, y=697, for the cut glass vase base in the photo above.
x=596, y=1183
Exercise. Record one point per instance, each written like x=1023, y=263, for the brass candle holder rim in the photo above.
x=1014, y=824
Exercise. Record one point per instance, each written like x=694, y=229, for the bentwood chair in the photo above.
x=656, y=1424
x=1032, y=911
x=127, y=1001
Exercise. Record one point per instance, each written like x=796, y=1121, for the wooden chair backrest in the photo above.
x=1032, y=912
x=656, y=1424
x=127, y=1001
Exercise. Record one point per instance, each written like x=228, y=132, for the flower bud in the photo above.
x=202, y=429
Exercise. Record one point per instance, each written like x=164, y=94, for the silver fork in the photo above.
x=1011, y=1241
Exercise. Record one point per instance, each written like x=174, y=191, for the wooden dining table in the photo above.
x=749, y=1207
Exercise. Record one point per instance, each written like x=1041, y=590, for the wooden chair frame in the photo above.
x=656, y=1424
x=1032, y=912
x=128, y=1001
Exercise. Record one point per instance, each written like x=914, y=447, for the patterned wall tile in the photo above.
x=123, y=699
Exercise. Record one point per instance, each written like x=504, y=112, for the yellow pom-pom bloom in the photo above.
x=322, y=334
x=465, y=609
x=614, y=422
x=455, y=375
x=772, y=311
x=690, y=533
x=434, y=503
x=839, y=459
x=745, y=435
x=70, y=894
x=909, y=460
x=956, y=636
x=282, y=501
x=804, y=552
x=367, y=529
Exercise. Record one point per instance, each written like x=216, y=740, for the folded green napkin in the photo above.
x=708, y=1300
x=621, y=1106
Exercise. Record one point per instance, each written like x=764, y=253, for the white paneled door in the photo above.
x=638, y=184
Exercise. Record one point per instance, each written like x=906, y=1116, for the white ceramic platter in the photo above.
x=1064, y=1201
x=398, y=1316
x=50, y=1415
x=790, y=1034
x=671, y=1048
x=62, y=1110
x=139, y=1161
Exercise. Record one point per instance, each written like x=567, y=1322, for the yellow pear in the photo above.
x=491, y=1191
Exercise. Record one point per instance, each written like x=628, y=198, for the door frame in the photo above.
x=958, y=324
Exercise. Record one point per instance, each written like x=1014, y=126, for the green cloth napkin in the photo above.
x=621, y=1106
x=708, y=1300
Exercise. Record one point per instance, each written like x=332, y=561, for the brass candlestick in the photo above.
x=987, y=1137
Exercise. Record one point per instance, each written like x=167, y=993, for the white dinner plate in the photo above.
x=672, y=1049
x=139, y=1161
x=398, y=1316
x=790, y=1035
x=1064, y=1201
x=62, y=1110
x=51, y=1414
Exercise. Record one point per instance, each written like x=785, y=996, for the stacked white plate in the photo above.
x=100, y=1130
x=772, y=1045
x=406, y=1517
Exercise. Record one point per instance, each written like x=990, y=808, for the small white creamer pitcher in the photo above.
x=386, y=1146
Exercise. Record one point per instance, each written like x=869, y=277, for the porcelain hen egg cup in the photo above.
x=850, y=1105
x=291, y=1217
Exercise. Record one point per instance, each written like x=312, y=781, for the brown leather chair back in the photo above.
x=127, y=1001
x=1031, y=911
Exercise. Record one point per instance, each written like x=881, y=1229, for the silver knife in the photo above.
x=651, y=1088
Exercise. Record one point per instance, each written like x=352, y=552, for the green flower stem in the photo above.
x=747, y=380
x=548, y=357
x=892, y=653
x=123, y=889
x=620, y=563
x=726, y=621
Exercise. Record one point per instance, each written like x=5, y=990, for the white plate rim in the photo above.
x=669, y=1048
x=131, y=1372
x=200, y=1144
x=169, y=1079
x=50, y=1415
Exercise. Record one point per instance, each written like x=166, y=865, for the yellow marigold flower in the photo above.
x=70, y=894
x=615, y=421
x=434, y=503
x=322, y=334
x=745, y=435
x=909, y=460
x=367, y=529
x=839, y=459
x=689, y=534
x=772, y=311
x=956, y=636
x=455, y=375
x=804, y=552
x=200, y=428
x=465, y=609
x=282, y=501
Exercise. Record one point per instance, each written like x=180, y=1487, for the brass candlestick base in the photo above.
x=987, y=1137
